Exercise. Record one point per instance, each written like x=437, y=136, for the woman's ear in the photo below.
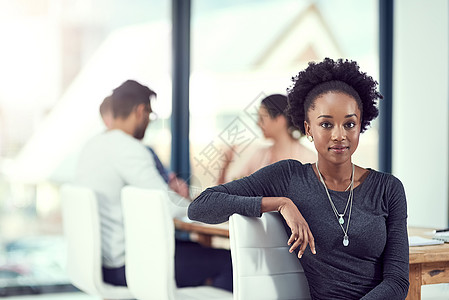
x=307, y=129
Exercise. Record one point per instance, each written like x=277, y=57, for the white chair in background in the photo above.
x=150, y=249
x=262, y=266
x=81, y=223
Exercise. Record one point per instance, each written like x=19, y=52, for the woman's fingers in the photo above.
x=301, y=240
x=301, y=235
x=304, y=244
x=296, y=243
x=294, y=236
x=312, y=242
x=292, y=239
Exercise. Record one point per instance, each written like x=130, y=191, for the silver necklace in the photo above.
x=337, y=214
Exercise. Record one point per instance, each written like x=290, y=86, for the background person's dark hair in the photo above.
x=276, y=105
x=341, y=76
x=127, y=96
x=106, y=105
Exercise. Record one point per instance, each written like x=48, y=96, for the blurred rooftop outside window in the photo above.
x=237, y=61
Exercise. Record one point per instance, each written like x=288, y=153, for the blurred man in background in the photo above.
x=117, y=158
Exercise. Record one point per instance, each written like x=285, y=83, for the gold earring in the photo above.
x=310, y=138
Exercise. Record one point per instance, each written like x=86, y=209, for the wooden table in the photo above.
x=428, y=264
x=205, y=232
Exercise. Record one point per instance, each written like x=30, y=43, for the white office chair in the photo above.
x=262, y=266
x=150, y=249
x=81, y=224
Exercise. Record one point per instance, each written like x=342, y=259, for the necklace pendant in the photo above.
x=346, y=241
x=341, y=220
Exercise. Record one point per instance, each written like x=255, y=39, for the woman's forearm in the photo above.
x=216, y=207
x=273, y=203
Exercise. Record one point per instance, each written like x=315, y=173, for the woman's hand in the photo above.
x=301, y=234
x=179, y=186
x=227, y=159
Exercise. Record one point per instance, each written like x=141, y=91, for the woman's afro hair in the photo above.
x=342, y=72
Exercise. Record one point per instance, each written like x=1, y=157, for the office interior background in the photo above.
x=60, y=58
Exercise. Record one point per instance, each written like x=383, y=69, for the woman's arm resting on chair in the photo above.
x=301, y=234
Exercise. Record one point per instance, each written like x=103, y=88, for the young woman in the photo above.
x=353, y=219
x=276, y=126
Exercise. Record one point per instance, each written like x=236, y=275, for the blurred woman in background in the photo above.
x=277, y=127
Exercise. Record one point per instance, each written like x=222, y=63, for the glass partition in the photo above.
x=60, y=59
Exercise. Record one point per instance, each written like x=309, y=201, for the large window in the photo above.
x=245, y=50
x=59, y=60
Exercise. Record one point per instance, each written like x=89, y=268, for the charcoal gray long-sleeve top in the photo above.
x=375, y=263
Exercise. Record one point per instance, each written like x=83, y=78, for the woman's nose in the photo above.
x=338, y=133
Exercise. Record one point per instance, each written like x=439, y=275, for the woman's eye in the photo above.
x=326, y=125
x=350, y=125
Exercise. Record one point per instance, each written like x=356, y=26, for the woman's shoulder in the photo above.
x=292, y=165
x=261, y=151
x=283, y=171
x=379, y=175
x=384, y=179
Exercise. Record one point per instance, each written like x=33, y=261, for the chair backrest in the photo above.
x=263, y=268
x=150, y=245
x=82, y=232
x=81, y=223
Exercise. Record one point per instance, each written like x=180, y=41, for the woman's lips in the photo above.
x=339, y=149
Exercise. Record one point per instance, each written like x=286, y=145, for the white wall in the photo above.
x=421, y=107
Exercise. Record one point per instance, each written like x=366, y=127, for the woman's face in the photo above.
x=334, y=124
x=270, y=126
